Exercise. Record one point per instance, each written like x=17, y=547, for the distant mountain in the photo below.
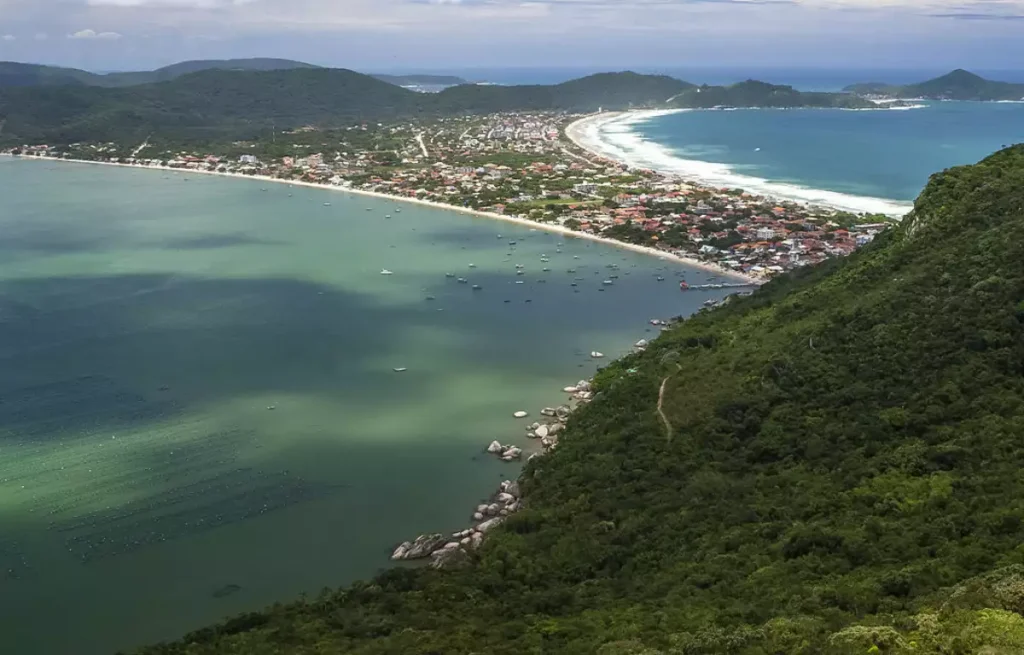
x=760, y=94
x=422, y=80
x=13, y=73
x=958, y=85
x=18, y=74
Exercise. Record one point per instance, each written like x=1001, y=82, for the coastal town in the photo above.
x=529, y=166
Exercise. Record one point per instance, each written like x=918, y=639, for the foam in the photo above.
x=614, y=137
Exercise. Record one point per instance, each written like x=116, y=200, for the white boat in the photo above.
x=472, y=265
x=596, y=355
x=397, y=210
x=607, y=282
x=400, y=369
x=327, y=204
x=519, y=281
x=386, y=272
x=387, y=216
x=477, y=287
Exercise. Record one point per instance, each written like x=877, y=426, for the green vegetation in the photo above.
x=958, y=85
x=759, y=94
x=218, y=105
x=840, y=473
x=421, y=80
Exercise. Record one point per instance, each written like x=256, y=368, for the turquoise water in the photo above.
x=148, y=321
x=862, y=160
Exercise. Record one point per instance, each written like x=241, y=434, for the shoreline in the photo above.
x=584, y=134
x=547, y=227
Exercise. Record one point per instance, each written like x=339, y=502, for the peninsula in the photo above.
x=958, y=85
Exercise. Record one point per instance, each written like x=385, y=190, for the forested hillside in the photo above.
x=839, y=473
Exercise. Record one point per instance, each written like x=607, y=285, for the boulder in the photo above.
x=534, y=425
x=490, y=523
x=548, y=411
x=511, y=453
x=505, y=498
x=503, y=512
x=449, y=558
x=583, y=385
x=531, y=435
x=554, y=429
x=521, y=414
x=476, y=540
x=512, y=489
x=423, y=546
x=563, y=412
x=495, y=447
x=641, y=344
x=465, y=541
x=493, y=509
x=401, y=551
x=477, y=516
x=570, y=389
x=541, y=432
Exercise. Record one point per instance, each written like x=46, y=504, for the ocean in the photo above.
x=199, y=414
x=863, y=161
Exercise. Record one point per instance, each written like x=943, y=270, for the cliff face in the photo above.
x=838, y=469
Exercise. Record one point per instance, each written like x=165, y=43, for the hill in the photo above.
x=17, y=74
x=760, y=94
x=958, y=85
x=835, y=468
x=225, y=105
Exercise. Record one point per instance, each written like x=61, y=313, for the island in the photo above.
x=957, y=85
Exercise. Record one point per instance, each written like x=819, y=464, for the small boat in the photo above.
x=520, y=272
x=607, y=282
x=661, y=279
x=472, y=265
x=477, y=287
x=462, y=280
x=519, y=281
x=430, y=297
x=683, y=286
x=546, y=270
x=263, y=189
x=397, y=210
x=449, y=274
x=327, y=204
x=387, y=216
x=400, y=369
x=369, y=209
x=385, y=271
x=596, y=355
x=499, y=236
x=574, y=284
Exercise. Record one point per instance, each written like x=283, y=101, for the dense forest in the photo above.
x=837, y=471
x=225, y=105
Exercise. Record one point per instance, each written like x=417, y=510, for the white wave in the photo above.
x=614, y=137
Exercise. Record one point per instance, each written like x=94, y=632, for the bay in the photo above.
x=198, y=410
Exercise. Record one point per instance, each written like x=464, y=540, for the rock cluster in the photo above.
x=449, y=552
x=506, y=453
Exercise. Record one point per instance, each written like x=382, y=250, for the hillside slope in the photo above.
x=761, y=94
x=844, y=458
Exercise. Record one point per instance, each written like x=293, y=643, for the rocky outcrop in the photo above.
x=423, y=546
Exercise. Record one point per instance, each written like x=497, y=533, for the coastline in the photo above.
x=585, y=134
x=548, y=227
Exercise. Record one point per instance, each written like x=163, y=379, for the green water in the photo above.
x=149, y=320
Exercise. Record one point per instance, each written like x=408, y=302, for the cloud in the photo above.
x=7, y=37
x=92, y=34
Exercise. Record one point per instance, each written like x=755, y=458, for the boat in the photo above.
x=660, y=279
x=477, y=287
x=449, y=274
x=472, y=265
x=596, y=355
x=369, y=209
x=574, y=284
x=607, y=282
x=327, y=204
x=520, y=272
x=546, y=270
x=683, y=286
x=462, y=280
x=387, y=216
x=400, y=369
x=519, y=281
x=385, y=271
x=397, y=210
x=430, y=297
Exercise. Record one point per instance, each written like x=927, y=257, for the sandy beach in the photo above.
x=548, y=227
x=586, y=133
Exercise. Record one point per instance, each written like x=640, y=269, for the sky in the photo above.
x=393, y=35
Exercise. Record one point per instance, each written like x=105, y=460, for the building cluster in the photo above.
x=522, y=165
